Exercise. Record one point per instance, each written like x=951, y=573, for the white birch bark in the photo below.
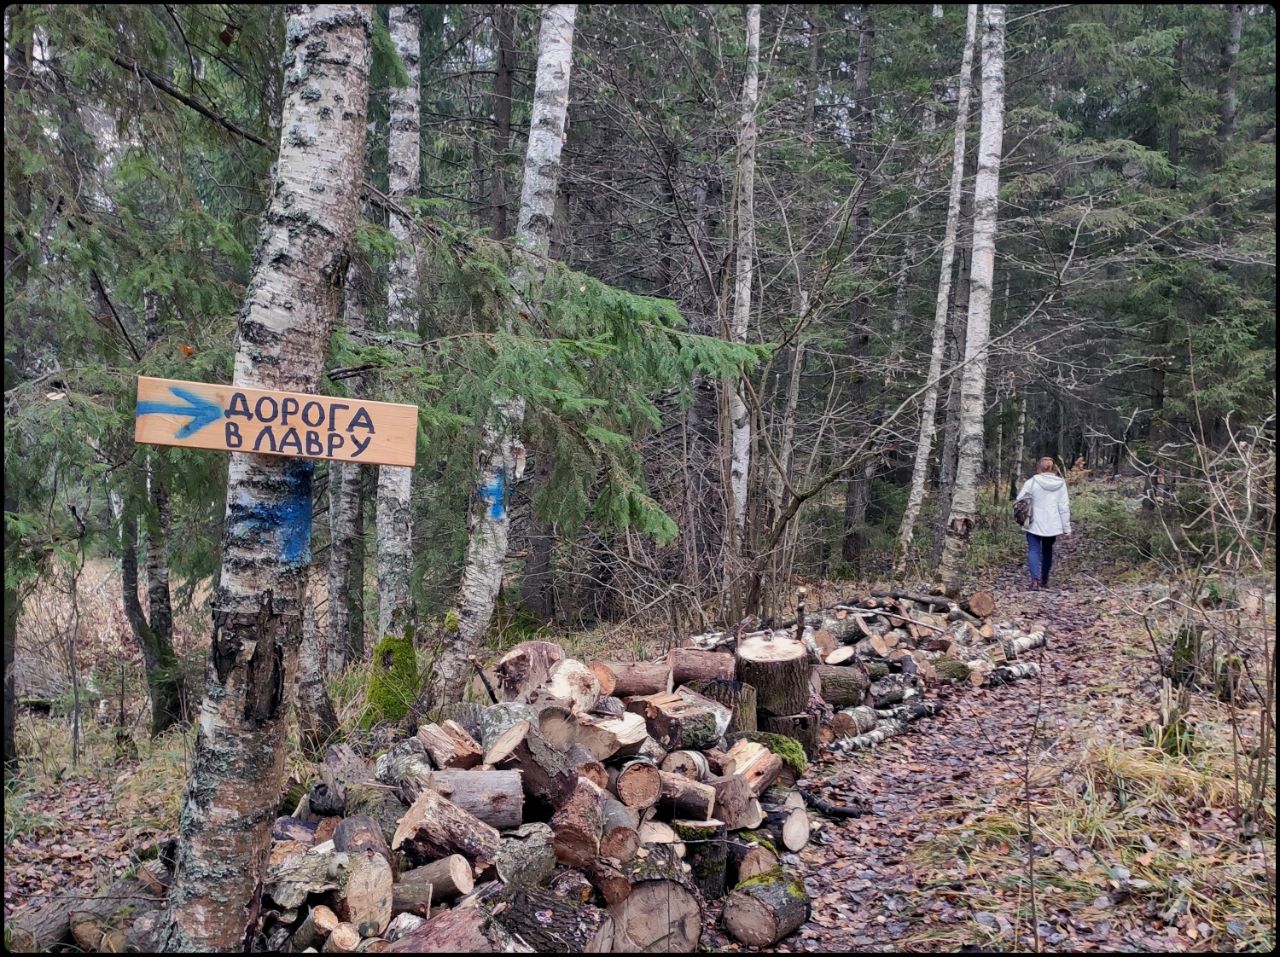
x=929, y=403
x=744, y=273
x=964, y=503
x=238, y=766
x=501, y=458
x=395, y=518
x=1019, y=448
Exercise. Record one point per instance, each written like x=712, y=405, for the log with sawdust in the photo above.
x=762, y=911
x=584, y=763
x=662, y=913
x=434, y=827
x=777, y=666
x=636, y=783
x=463, y=930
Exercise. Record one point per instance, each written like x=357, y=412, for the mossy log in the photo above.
x=762, y=910
x=801, y=734
x=706, y=853
x=527, y=856
x=952, y=669
x=739, y=698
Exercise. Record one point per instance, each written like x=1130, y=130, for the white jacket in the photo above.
x=1050, y=510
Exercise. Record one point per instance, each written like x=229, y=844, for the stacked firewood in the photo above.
x=589, y=807
x=598, y=806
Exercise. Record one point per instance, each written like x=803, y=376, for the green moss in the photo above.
x=393, y=680
x=952, y=668
x=763, y=880
x=785, y=747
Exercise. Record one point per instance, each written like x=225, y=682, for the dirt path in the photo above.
x=869, y=888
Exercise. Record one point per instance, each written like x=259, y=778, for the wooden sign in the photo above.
x=234, y=419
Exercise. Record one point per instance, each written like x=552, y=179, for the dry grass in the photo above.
x=1127, y=835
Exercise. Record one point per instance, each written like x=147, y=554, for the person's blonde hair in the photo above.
x=1045, y=464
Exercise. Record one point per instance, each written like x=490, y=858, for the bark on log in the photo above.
x=526, y=856
x=574, y=682
x=546, y=773
x=951, y=669
x=40, y=930
x=495, y=797
x=607, y=738
x=636, y=783
x=364, y=900
x=450, y=746
x=420, y=888
x=739, y=698
x=692, y=764
x=573, y=884
x=689, y=665
x=756, y=764
x=778, y=668
x=402, y=925
x=578, y=825
x=747, y=858
x=706, y=854
x=892, y=689
x=608, y=880
x=639, y=677
x=314, y=929
x=361, y=833
x=293, y=829
x=343, y=939
x=434, y=827
x=1006, y=673
x=466, y=714
x=683, y=798
x=1013, y=647
x=525, y=667
x=676, y=721
x=882, y=732
x=843, y=687
x=736, y=803
x=496, y=719
x=620, y=837
x=854, y=721
x=719, y=761
x=788, y=826
x=464, y=930
x=981, y=604
x=552, y=924
x=765, y=909
x=291, y=877
x=584, y=764
x=662, y=913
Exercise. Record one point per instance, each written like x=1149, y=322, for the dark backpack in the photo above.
x=1022, y=511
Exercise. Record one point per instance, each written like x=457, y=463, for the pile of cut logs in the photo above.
x=597, y=806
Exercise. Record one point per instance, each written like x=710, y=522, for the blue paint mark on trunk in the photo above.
x=495, y=494
x=287, y=520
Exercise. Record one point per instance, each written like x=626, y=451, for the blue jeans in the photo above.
x=1040, y=556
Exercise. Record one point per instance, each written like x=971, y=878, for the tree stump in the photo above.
x=777, y=666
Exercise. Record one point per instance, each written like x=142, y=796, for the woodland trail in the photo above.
x=868, y=880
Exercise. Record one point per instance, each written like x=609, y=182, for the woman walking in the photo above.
x=1050, y=517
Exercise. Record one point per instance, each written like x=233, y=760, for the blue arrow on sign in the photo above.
x=201, y=410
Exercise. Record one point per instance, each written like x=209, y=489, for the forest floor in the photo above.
x=1134, y=850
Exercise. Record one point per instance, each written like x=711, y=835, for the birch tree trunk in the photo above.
x=501, y=458
x=986, y=189
x=929, y=403
x=744, y=274
x=346, y=514
x=1019, y=447
x=395, y=518
x=237, y=769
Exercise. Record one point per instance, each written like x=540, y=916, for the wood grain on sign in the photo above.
x=232, y=418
